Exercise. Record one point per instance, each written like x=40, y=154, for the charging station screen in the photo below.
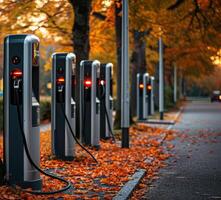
x=35, y=54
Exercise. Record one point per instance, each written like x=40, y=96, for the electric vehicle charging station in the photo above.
x=146, y=97
x=106, y=100
x=63, y=70
x=97, y=122
x=21, y=110
x=152, y=94
x=142, y=96
x=89, y=103
x=149, y=93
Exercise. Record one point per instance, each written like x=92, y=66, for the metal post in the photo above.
x=125, y=102
x=175, y=84
x=161, y=80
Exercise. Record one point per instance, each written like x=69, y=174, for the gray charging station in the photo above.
x=148, y=87
x=106, y=100
x=152, y=94
x=21, y=92
x=63, y=70
x=146, y=97
x=142, y=96
x=89, y=103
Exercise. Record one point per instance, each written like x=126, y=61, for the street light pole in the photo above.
x=125, y=101
x=161, y=80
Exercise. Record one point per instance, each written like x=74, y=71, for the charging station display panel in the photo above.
x=89, y=103
x=140, y=96
x=152, y=95
x=87, y=111
x=59, y=62
x=102, y=91
x=149, y=90
x=105, y=87
x=13, y=68
x=63, y=105
x=21, y=93
x=141, y=91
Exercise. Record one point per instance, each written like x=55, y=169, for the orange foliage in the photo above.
x=105, y=179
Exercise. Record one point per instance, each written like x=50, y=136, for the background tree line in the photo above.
x=191, y=31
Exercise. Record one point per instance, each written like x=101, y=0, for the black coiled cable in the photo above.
x=68, y=184
x=106, y=114
x=75, y=138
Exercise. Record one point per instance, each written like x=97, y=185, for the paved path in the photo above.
x=195, y=172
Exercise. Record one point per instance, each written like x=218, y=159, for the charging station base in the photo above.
x=34, y=185
x=65, y=158
x=125, y=137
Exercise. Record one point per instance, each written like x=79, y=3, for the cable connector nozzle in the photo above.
x=60, y=88
x=16, y=83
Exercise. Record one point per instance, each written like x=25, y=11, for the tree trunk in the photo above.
x=138, y=65
x=81, y=43
x=180, y=85
x=81, y=28
x=118, y=23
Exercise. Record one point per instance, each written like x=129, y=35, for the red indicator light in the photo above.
x=16, y=73
x=60, y=80
x=87, y=83
x=141, y=86
x=149, y=87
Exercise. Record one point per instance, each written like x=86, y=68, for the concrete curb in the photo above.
x=163, y=122
x=178, y=114
x=155, y=121
x=129, y=187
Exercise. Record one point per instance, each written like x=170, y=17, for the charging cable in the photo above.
x=75, y=138
x=106, y=114
x=67, y=183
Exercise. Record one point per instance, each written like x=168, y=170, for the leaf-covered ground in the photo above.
x=105, y=179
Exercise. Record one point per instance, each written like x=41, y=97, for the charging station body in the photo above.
x=63, y=69
x=21, y=72
x=106, y=100
x=147, y=91
x=152, y=79
x=89, y=103
x=142, y=97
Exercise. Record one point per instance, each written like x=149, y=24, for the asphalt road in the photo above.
x=194, y=173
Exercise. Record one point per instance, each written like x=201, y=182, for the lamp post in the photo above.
x=125, y=101
x=161, y=80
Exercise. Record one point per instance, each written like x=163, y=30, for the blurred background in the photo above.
x=190, y=29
